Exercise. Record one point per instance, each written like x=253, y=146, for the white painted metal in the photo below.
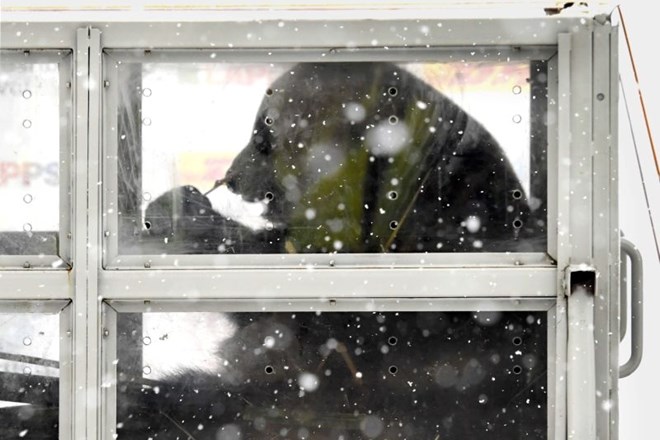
x=605, y=229
x=335, y=305
x=302, y=33
x=326, y=283
x=306, y=261
x=86, y=305
x=581, y=365
x=109, y=374
x=32, y=306
x=35, y=285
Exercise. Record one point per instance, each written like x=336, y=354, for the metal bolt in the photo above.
x=333, y=302
x=106, y=83
x=69, y=235
x=106, y=332
x=332, y=263
x=600, y=96
x=68, y=84
x=26, y=265
x=147, y=264
x=106, y=234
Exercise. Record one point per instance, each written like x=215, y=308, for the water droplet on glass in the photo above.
x=146, y=340
x=27, y=371
x=146, y=122
x=146, y=370
x=146, y=92
x=27, y=198
x=517, y=90
x=27, y=94
x=392, y=195
x=394, y=224
x=27, y=123
x=146, y=196
x=517, y=119
x=483, y=399
x=393, y=119
x=27, y=227
x=27, y=341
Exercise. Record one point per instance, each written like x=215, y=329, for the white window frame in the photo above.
x=582, y=198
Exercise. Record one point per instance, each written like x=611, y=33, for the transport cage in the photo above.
x=311, y=229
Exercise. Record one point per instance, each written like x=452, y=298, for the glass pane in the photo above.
x=220, y=157
x=429, y=375
x=29, y=375
x=30, y=121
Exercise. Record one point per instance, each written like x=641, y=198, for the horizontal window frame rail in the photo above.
x=366, y=304
x=288, y=32
x=321, y=261
x=276, y=54
x=35, y=285
x=330, y=283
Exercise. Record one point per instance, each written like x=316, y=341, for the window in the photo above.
x=34, y=156
x=313, y=374
x=228, y=152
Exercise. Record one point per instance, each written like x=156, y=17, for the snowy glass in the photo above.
x=349, y=375
x=31, y=124
x=349, y=157
x=29, y=375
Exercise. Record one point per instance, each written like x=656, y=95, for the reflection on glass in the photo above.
x=29, y=376
x=428, y=375
x=331, y=157
x=30, y=124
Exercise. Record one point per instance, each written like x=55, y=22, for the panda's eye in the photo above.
x=261, y=144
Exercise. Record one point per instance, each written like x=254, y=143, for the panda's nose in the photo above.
x=231, y=181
